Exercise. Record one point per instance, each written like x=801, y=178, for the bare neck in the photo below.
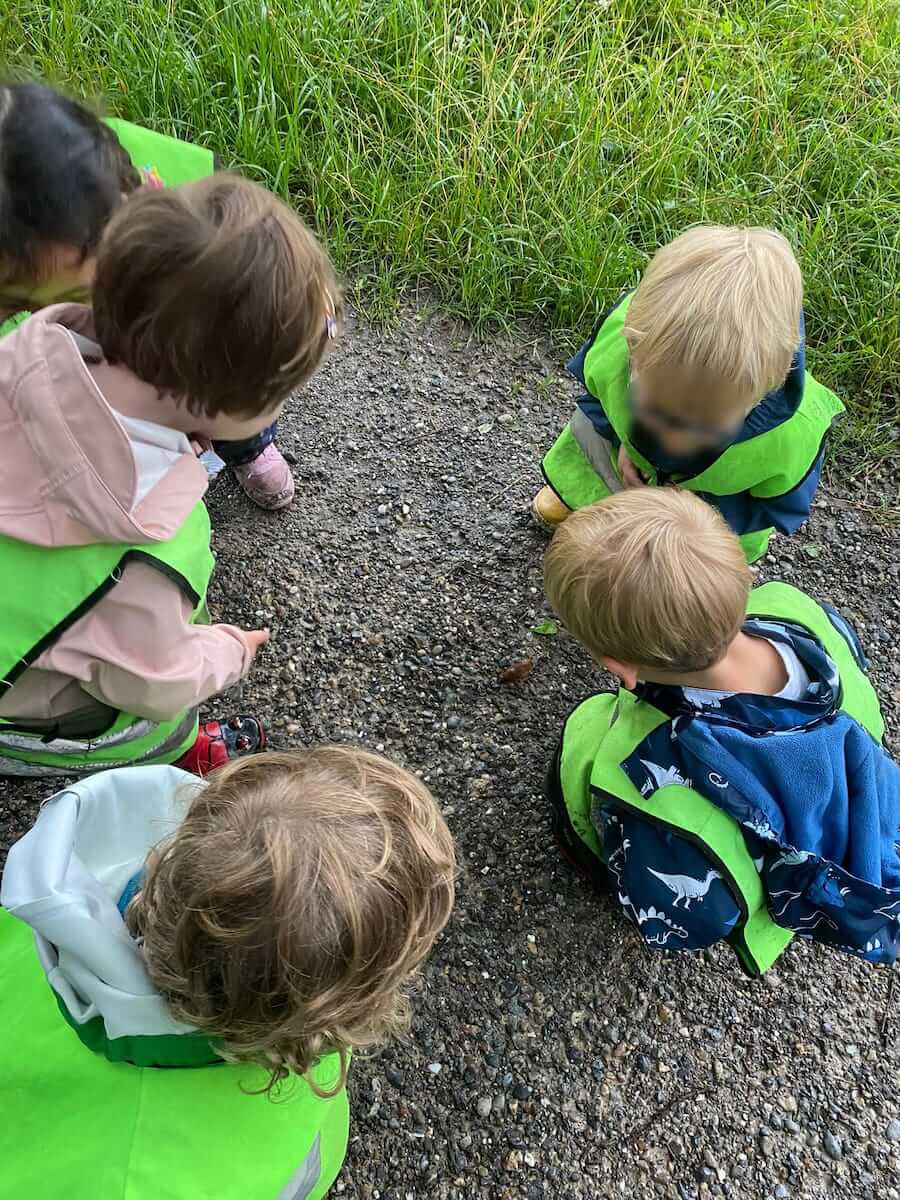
x=750, y=664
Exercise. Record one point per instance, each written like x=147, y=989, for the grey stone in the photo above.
x=832, y=1145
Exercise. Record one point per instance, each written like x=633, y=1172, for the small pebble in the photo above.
x=832, y=1145
x=781, y=1192
x=434, y=1068
x=892, y=1133
x=484, y=1106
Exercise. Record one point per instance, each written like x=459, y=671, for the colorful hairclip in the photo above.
x=151, y=177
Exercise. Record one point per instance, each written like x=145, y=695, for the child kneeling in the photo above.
x=212, y=302
x=735, y=788
x=272, y=929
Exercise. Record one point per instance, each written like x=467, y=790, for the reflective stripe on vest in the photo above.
x=130, y=742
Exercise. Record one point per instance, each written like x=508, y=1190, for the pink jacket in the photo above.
x=83, y=459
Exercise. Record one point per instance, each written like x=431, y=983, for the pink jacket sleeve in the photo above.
x=136, y=649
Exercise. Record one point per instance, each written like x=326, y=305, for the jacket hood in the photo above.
x=65, y=877
x=76, y=470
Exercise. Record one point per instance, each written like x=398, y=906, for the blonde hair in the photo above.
x=723, y=300
x=293, y=904
x=652, y=577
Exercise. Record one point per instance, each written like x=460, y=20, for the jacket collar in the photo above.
x=754, y=714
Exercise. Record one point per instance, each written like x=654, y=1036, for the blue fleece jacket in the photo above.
x=817, y=799
x=743, y=511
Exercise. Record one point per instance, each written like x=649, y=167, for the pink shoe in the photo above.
x=267, y=479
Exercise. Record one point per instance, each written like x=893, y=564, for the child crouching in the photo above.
x=699, y=378
x=735, y=788
x=212, y=303
x=273, y=928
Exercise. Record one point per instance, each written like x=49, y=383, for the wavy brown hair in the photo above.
x=293, y=904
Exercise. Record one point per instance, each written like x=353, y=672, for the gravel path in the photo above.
x=552, y=1057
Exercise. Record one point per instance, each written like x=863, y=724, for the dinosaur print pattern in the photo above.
x=825, y=844
x=660, y=777
x=685, y=887
x=632, y=862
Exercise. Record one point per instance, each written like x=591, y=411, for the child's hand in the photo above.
x=200, y=444
x=631, y=476
x=254, y=639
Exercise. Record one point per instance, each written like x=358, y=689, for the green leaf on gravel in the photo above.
x=813, y=549
x=546, y=629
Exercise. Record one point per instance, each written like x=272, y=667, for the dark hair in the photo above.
x=216, y=292
x=62, y=175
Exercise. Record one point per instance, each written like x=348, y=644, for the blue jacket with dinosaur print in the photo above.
x=817, y=799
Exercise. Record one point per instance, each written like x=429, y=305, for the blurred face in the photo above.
x=65, y=276
x=687, y=410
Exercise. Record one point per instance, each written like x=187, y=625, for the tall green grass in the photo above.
x=525, y=157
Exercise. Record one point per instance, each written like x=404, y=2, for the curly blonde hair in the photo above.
x=293, y=904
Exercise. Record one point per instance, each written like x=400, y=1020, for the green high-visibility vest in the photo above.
x=51, y=588
x=55, y=587
x=768, y=465
x=170, y=159
x=13, y=322
x=606, y=728
x=77, y=1125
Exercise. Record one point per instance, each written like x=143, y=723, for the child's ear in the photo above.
x=627, y=672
